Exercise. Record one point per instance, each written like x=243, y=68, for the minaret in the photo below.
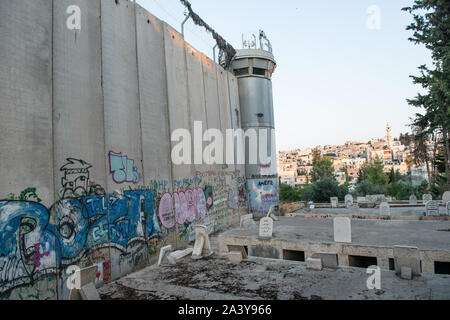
x=389, y=135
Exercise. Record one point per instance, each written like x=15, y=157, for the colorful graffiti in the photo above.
x=122, y=168
x=263, y=194
x=183, y=207
x=27, y=245
x=33, y=245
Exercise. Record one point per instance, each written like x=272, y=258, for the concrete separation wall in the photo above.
x=85, y=149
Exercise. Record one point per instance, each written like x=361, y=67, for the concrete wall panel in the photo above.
x=155, y=116
x=153, y=99
x=78, y=98
x=197, y=104
x=121, y=96
x=26, y=151
x=122, y=112
x=178, y=97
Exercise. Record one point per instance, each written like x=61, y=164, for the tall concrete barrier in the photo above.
x=87, y=117
x=26, y=143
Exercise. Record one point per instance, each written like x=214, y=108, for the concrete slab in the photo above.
x=407, y=257
x=235, y=257
x=89, y=292
x=153, y=100
x=342, y=230
x=370, y=238
x=314, y=264
x=26, y=98
x=121, y=99
x=406, y=273
x=267, y=279
x=78, y=115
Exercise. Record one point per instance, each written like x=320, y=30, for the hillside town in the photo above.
x=294, y=167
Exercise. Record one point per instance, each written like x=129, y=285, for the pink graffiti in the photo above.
x=180, y=207
x=166, y=214
x=183, y=207
x=36, y=257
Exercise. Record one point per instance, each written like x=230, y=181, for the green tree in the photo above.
x=374, y=173
x=288, y=193
x=365, y=187
x=431, y=28
x=326, y=188
x=322, y=168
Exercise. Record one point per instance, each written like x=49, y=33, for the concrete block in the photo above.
x=180, y=254
x=348, y=200
x=413, y=199
x=314, y=264
x=427, y=197
x=329, y=260
x=202, y=246
x=244, y=218
x=235, y=257
x=406, y=273
x=432, y=208
x=385, y=210
x=446, y=197
x=249, y=224
x=238, y=249
x=334, y=202
x=87, y=276
x=342, y=230
x=408, y=257
x=89, y=292
x=266, y=227
x=163, y=252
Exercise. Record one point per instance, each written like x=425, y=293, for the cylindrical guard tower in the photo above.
x=253, y=68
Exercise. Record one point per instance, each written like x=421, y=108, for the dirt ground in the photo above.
x=215, y=278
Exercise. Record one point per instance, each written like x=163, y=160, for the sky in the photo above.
x=337, y=79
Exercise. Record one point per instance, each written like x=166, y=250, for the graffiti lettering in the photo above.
x=122, y=168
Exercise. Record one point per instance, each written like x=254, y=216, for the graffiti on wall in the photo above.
x=122, y=168
x=183, y=207
x=32, y=248
x=75, y=179
x=27, y=245
x=263, y=194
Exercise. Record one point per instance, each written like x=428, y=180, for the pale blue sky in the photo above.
x=336, y=79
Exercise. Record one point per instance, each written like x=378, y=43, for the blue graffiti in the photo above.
x=27, y=244
x=31, y=247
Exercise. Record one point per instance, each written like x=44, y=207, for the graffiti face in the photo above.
x=76, y=177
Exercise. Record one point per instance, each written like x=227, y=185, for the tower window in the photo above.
x=241, y=72
x=259, y=71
